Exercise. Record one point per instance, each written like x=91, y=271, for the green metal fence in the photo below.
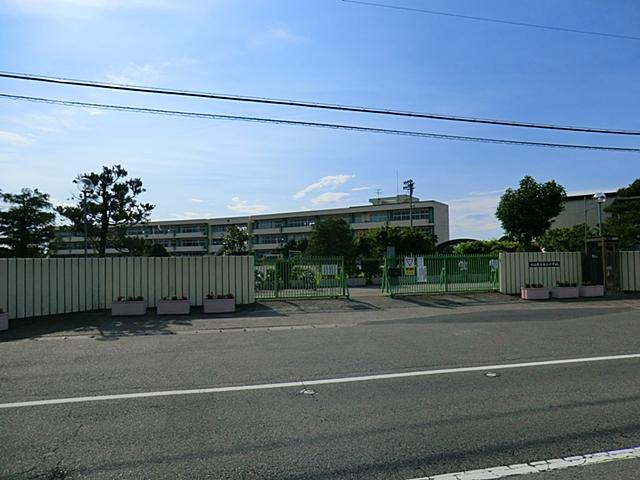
x=440, y=274
x=300, y=277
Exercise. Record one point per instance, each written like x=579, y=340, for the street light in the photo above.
x=600, y=198
x=409, y=186
x=85, y=185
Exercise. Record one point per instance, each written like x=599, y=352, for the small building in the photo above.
x=582, y=209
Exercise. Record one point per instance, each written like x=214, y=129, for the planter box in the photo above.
x=126, y=309
x=565, y=292
x=356, y=282
x=592, y=291
x=219, y=305
x=4, y=321
x=174, y=307
x=535, y=293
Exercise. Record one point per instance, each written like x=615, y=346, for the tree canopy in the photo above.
x=485, y=247
x=624, y=220
x=111, y=206
x=27, y=226
x=235, y=241
x=569, y=239
x=374, y=243
x=526, y=212
x=331, y=236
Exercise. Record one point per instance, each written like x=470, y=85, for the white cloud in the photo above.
x=329, y=197
x=275, y=36
x=329, y=181
x=197, y=200
x=243, y=206
x=483, y=194
x=474, y=216
x=360, y=189
x=285, y=35
x=135, y=74
x=76, y=8
x=13, y=138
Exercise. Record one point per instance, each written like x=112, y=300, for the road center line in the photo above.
x=541, y=466
x=306, y=383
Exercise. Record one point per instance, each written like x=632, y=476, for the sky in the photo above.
x=323, y=51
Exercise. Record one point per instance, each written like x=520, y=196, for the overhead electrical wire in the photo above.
x=335, y=126
x=314, y=105
x=493, y=20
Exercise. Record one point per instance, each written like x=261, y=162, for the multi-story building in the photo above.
x=269, y=232
x=583, y=209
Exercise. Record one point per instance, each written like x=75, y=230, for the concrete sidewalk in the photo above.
x=365, y=305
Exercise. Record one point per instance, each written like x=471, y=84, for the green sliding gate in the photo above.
x=300, y=277
x=440, y=274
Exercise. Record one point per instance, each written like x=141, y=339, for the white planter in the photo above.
x=4, y=321
x=592, y=291
x=565, y=292
x=174, y=307
x=535, y=293
x=128, y=308
x=356, y=282
x=219, y=305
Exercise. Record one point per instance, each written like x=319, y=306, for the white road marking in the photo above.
x=305, y=383
x=541, y=466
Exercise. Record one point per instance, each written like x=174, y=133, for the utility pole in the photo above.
x=85, y=185
x=409, y=186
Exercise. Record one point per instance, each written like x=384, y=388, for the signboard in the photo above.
x=409, y=266
x=544, y=263
x=422, y=275
x=494, y=263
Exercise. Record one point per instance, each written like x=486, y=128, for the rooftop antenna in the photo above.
x=378, y=192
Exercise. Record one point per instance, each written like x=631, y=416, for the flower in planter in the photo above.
x=229, y=295
x=1, y=311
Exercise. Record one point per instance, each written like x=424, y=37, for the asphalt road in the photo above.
x=394, y=428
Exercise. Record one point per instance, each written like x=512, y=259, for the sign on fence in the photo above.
x=552, y=263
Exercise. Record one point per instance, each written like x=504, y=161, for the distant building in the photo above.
x=269, y=232
x=581, y=209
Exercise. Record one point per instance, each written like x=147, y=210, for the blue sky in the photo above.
x=326, y=51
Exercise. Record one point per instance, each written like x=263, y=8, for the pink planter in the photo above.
x=592, y=291
x=565, y=292
x=219, y=305
x=535, y=293
x=4, y=321
x=174, y=307
x=129, y=308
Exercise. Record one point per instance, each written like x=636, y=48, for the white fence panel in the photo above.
x=46, y=286
x=546, y=268
x=630, y=271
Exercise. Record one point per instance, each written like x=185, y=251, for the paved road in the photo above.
x=399, y=428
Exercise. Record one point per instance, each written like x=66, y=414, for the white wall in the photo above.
x=34, y=287
x=516, y=271
x=630, y=271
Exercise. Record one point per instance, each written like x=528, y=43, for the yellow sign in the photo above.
x=410, y=271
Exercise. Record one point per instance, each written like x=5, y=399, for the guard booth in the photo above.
x=602, y=262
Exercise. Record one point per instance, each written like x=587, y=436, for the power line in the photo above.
x=304, y=104
x=494, y=20
x=335, y=126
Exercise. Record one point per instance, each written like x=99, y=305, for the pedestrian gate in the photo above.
x=300, y=277
x=418, y=274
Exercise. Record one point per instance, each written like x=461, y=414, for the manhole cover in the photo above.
x=492, y=374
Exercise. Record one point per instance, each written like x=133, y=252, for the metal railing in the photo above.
x=417, y=274
x=300, y=277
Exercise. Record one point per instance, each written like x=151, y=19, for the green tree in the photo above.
x=485, y=247
x=374, y=243
x=111, y=207
x=331, y=236
x=27, y=226
x=156, y=250
x=624, y=220
x=526, y=212
x=569, y=239
x=235, y=241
